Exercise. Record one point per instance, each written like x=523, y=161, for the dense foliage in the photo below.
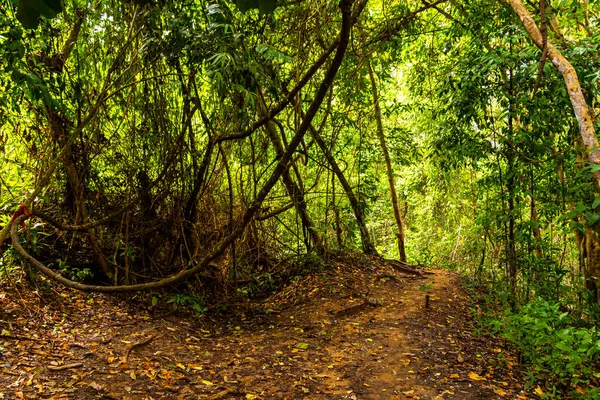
x=241, y=142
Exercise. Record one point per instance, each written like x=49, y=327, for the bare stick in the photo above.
x=137, y=345
x=64, y=366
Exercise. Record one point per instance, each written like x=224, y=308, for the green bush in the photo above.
x=195, y=303
x=74, y=273
x=554, y=351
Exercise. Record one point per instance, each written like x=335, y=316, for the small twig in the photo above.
x=65, y=366
x=11, y=373
x=136, y=345
x=19, y=337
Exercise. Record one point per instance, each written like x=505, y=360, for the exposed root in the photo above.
x=137, y=345
x=404, y=267
x=64, y=366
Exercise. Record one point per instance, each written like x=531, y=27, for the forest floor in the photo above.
x=357, y=331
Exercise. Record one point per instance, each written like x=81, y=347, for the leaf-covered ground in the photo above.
x=358, y=331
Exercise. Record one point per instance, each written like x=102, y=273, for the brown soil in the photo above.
x=358, y=331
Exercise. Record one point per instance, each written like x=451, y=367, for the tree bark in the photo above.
x=537, y=231
x=580, y=106
x=76, y=183
x=295, y=190
x=388, y=165
x=511, y=244
x=586, y=130
x=367, y=244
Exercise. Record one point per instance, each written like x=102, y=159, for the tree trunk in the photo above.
x=592, y=253
x=388, y=165
x=336, y=212
x=537, y=231
x=580, y=106
x=586, y=130
x=367, y=244
x=510, y=188
x=511, y=244
x=294, y=189
x=75, y=181
x=77, y=185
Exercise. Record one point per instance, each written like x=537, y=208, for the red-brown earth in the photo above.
x=359, y=330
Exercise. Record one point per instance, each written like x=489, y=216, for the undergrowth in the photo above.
x=558, y=352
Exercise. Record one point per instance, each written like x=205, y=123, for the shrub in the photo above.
x=553, y=349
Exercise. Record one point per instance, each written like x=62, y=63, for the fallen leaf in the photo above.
x=460, y=358
x=538, y=390
x=500, y=392
x=475, y=377
x=441, y=396
x=302, y=346
x=96, y=386
x=207, y=383
x=454, y=376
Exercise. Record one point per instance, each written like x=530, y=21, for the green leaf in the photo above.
x=596, y=202
x=46, y=7
x=56, y=5
x=592, y=218
x=595, y=168
x=302, y=346
x=245, y=5
x=266, y=7
x=563, y=346
x=27, y=16
x=29, y=11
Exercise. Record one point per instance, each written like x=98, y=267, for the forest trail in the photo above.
x=359, y=332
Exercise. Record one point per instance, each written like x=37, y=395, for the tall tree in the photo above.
x=586, y=130
x=388, y=164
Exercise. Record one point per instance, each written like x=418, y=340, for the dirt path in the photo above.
x=353, y=335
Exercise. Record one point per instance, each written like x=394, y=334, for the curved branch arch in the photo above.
x=280, y=168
